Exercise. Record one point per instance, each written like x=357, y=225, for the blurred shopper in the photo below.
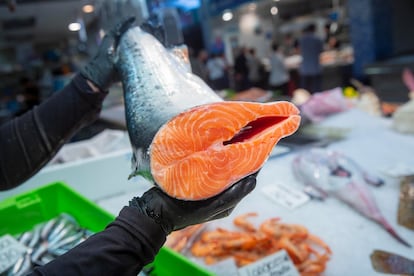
x=217, y=72
x=333, y=43
x=136, y=235
x=241, y=71
x=279, y=76
x=310, y=47
x=198, y=62
x=289, y=45
x=254, y=64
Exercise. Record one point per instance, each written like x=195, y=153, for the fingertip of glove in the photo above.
x=250, y=183
x=251, y=179
x=246, y=185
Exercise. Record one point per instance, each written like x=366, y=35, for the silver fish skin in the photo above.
x=157, y=86
x=324, y=171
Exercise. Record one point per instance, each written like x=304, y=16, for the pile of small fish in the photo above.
x=46, y=241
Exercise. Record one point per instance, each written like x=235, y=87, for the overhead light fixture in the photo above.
x=74, y=27
x=227, y=16
x=276, y=0
x=88, y=8
x=274, y=10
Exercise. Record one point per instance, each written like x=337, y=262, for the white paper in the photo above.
x=10, y=251
x=286, y=196
x=224, y=268
x=277, y=264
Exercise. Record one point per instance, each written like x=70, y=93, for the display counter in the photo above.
x=386, y=78
x=95, y=177
x=351, y=237
x=336, y=67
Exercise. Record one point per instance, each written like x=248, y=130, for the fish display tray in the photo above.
x=22, y=212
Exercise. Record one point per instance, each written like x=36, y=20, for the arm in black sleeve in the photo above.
x=123, y=248
x=28, y=142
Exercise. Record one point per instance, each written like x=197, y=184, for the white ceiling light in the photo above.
x=276, y=0
x=74, y=27
x=88, y=8
x=274, y=10
x=249, y=22
x=227, y=16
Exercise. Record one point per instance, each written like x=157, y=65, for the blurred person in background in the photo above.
x=241, y=71
x=333, y=43
x=254, y=64
x=279, y=76
x=198, y=60
x=289, y=45
x=132, y=240
x=310, y=47
x=217, y=72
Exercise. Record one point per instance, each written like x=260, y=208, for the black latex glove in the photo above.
x=174, y=214
x=100, y=69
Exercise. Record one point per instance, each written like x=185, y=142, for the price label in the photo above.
x=286, y=196
x=10, y=251
x=278, y=264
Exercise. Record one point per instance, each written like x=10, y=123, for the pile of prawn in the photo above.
x=308, y=252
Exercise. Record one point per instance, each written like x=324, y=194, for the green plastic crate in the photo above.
x=22, y=212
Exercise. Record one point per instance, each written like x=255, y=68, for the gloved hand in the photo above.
x=100, y=69
x=174, y=214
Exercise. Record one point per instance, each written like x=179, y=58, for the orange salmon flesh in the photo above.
x=202, y=151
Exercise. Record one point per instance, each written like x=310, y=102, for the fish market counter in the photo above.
x=352, y=238
x=370, y=141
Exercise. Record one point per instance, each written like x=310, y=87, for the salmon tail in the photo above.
x=155, y=29
x=391, y=231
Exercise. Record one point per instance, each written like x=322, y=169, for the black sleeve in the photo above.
x=28, y=142
x=123, y=248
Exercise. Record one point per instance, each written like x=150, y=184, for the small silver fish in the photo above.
x=48, y=240
x=69, y=239
x=36, y=237
x=157, y=86
x=324, y=171
x=39, y=251
x=22, y=266
x=47, y=227
x=26, y=237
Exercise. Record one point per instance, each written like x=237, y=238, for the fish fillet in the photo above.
x=201, y=152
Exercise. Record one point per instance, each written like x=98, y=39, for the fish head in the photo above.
x=312, y=168
x=320, y=168
x=356, y=171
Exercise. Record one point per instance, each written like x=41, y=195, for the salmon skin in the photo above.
x=157, y=86
x=184, y=137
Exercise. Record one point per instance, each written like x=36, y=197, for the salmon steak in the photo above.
x=204, y=150
x=185, y=138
